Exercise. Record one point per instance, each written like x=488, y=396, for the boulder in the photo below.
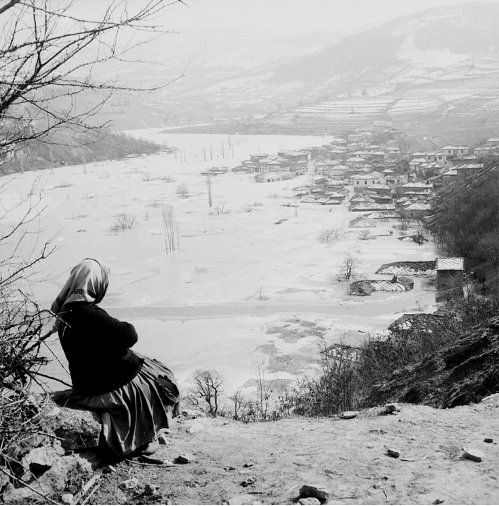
x=194, y=428
x=78, y=428
x=41, y=459
x=350, y=414
x=318, y=491
x=151, y=489
x=185, y=458
x=392, y=407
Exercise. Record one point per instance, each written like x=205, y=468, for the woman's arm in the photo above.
x=114, y=331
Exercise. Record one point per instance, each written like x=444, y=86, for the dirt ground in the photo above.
x=348, y=457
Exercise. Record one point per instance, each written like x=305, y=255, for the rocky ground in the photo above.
x=351, y=461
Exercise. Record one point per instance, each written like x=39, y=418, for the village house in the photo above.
x=486, y=150
x=362, y=182
x=392, y=153
x=416, y=187
x=455, y=151
x=401, y=123
x=449, y=175
x=270, y=177
x=466, y=171
x=382, y=123
x=370, y=206
x=450, y=273
x=416, y=210
x=381, y=189
x=255, y=158
x=436, y=156
x=294, y=156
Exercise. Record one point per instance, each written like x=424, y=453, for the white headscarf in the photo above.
x=87, y=282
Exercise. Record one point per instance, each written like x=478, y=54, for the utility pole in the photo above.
x=208, y=186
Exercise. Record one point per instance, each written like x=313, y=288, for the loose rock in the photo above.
x=392, y=407
x=488, y=440
x=393, y=452
x=309, y=500
x=194, y=428
x=151, y=490
x=242, y=499
x=131, y=483
x=248, y=482
x=163, y=440
x=185, y=458
x=67, y=498
x=473, y=454
x=317, y=491
x=350, y=414
x=108, y=468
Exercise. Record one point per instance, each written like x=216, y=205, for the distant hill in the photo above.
x=438, y=70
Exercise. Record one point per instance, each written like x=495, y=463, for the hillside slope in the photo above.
x=436, y=69
x=348, y=457
x=462, y=373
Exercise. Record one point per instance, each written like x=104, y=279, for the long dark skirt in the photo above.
x=133, y=414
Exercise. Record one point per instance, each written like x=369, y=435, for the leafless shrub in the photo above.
x=155, y=203
x=63, y=184
x=327, y=235
x=170, y=229
x=124, y=222
x=208, y=386
x=183, y=190
x=366, y=235
x=221, y=209
x=348, y=266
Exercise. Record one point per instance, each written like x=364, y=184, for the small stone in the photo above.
x=438, y=501
x=185, y=458
x=67, y=498
x=473, y=454
x=488, y=440
x=131, y=483
x=242, y=499
x=309, y=500
x=392, y=407
x=148, y=459
x=350, y=414
x=163, y=440
x=194, y=428
x=108, y=469
x=249, y=481
x=168, y=463
x=393, y=452
x=317, y=491
x=189, y=413
x=151, y=490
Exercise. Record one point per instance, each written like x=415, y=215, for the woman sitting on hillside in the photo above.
x=135, y=395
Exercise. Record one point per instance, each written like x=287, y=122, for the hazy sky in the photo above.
x=296, y=16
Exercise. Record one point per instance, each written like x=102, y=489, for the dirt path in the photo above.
x=348, y=457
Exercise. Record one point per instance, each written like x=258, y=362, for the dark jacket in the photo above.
x=97, y=348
